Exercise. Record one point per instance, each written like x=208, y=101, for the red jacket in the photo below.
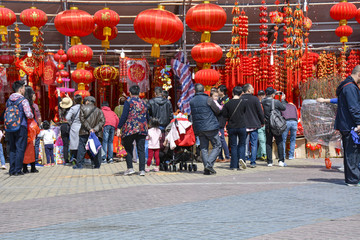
x=110, y=117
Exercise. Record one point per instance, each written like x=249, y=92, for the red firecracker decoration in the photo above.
x=35, y=19
x=74, y=23
x=158, y=27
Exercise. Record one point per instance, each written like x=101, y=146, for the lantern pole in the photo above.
x=184, y=33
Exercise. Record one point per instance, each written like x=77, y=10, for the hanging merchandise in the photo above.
x=243, y=30
x=158, y=27
x=17, y=41
x=166, y=77
x=106, y=21
x=264, y=61
x=342, y=12
x=206, y=53
x=50, y=70
x=206, y=18
x=105, y=74
x=7, y=18
x=74, y=23
x=351, y=62
x=33, y=18
x=207, y=77
x=137, y=73
x=80, y=54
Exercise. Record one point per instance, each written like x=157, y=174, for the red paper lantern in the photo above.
x=343, y=10
x=98, y=33
x=206, y=52
x=158, y=27
x=82, y=93
x=105, y=73
x=82, y=76
x=343, y=32
x=7, y=18
x=74, y=23
x=357, y=16
x=80, y=53
x=6, y=59
x=63, y=74
x=206, y=18
x=207, y=77
x=107, y=19
x=33, y=18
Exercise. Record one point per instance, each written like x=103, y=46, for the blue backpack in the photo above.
x=13, y=116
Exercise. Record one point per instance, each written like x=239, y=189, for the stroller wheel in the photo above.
x=194, y=166
x=190, y=167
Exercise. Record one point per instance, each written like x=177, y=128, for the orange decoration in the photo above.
x=33, y=18
x=158, y=27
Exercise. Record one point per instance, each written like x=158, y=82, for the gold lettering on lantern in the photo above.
x=84, y=52
x=105, y=16
x=34, y=15
x=10, y=15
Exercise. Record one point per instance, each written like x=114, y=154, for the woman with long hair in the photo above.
x=33, y=131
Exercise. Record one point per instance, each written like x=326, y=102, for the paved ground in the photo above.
x=301, y=201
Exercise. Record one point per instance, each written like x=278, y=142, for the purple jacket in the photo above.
x=25, y=107
x=290, y=113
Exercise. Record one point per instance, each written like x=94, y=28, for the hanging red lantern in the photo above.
x=206, y=52
x=98, y=33
x=7, y=18
x=79, y=54
x=342, y=12
x=83, y=93
x=33, y=18
x=105, y=73
x=207, y=77
x=6, y=59
x=107, y=19
x=63, y=74
x=357, y=16
x=82, y=76
x=74, y=23
x=206, y=18
x=158, y=27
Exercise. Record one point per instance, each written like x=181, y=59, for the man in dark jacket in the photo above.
x=206, y=126
x=348, y=117
x=223, y=98
x=278, y=106
x=160, y=108
x=253, y=119
x=92, y=120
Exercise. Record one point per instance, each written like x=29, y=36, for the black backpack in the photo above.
x=277, y=122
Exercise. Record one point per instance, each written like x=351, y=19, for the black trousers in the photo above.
x=351, y=159
x=66, y=141
x=269, y=141
x=82, y=151
x=129, y=147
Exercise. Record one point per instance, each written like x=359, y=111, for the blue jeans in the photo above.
x=146, y=149
x=224, y=146
x=292, y=127
x=2, y=158
x=17, y=143
x=206, y=137
x=107, y=144
x=237, y=138
x=253, y=136
x=262, y=142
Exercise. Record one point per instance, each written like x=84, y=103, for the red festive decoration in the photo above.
x=106, y=73
x=357, y=16
x=207, y=77
x=106, y=21
x=80, y=54
x=33, y=18
x=83, y=93
x=7, y=18
x=6, y=59
x=342, y=12
x=98, y=33
x=206, y=18
x=74, y=23
x=82, y=76
x=206, y=52
x=158, y=27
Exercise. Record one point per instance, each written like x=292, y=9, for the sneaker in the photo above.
x=156, y=169
x=147, y=169
x=211, y=170
x=77, y=167
x=353, y=184
x=282, y=164
x=47, y=165
x=53, y=164
x=130, y=171
x=242, y=163
x=219, y=160
x=111, y=160
x=142, y=173
x=3, y=167
x=291, y=158
x=253, y=166
x=104, y=162
x=270, y=164
x=234, y=169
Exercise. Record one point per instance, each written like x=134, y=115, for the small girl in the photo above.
x=154, y=136
x=2, y=158
x=48, y=136
x=215, y=96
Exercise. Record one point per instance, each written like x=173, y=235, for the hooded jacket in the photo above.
x=161, y=109
x=348, y=113
x=91, y=117
x=110, y=117
x=24, y=107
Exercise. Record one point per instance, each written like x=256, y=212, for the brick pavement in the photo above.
x=95, y=204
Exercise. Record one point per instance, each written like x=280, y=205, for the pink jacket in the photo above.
x=110, y=117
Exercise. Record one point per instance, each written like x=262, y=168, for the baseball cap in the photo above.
x=270, y=90
x=261, y=92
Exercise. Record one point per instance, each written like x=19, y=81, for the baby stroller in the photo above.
x=181, y=138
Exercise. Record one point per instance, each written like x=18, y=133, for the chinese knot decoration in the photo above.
x=74, y=23
x=7, y=18
x=106, y=20
x=33, y=18
x=206, y=18
x=158, y=27
x=342, y=12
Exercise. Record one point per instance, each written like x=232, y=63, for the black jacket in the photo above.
x=252, y=111
x=161, y=109
x=91, y=117
x=348, y=112
x=203, y=113
x=233, y=115
x=267, y=102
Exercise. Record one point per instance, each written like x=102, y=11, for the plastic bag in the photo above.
x=318, y=122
